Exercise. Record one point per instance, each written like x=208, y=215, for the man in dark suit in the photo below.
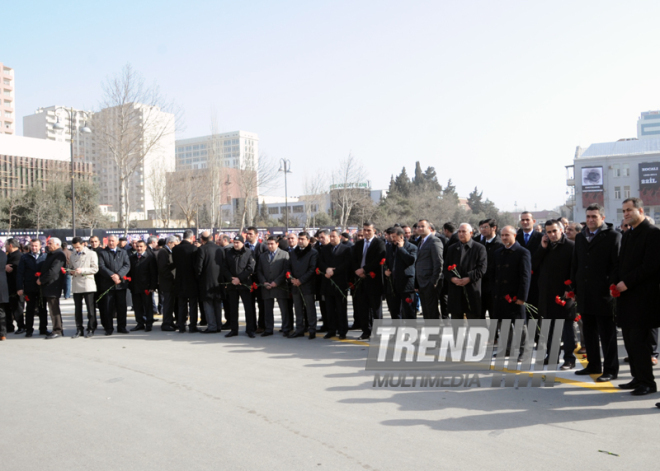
x=303, y=277
x=322, y=240
x=144, y=280
x=335, y=264
x=238, y=270
x=52, y=281
x=256, y=248
x=511, y=278
x=208, y=268
x=367, y=257
x=593, y=269
x=14, y=309
x=428, y=269
x=638, y=280
x=489, y=239
x=4, y=297
x=552, y=263
x=185, y=287
x=471, y=264
x=166, y=276
x=401, y=259
x=531, y=240
x=26, y=284
x=114, y=265
x=272, y=269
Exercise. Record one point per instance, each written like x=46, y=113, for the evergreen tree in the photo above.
x=402, y=183
x=449, y=192
x=475, y=201
x=419, y=181
x=431, y=180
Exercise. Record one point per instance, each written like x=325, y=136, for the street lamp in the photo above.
x=85, y=130
x=285, y=166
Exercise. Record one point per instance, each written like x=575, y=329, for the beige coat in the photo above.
x=88, y=262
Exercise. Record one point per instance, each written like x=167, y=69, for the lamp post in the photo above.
x=285, y=166
x=84, y=129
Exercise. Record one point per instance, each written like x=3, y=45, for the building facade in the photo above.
x=7, y=101
x=237, y=149
x=648, y=125
x=41, y=126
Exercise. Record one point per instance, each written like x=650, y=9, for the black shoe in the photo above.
x=631, y=385
x=45, y=332
x=137, y=327
x=147, y=328
x=193, y=330
x=266, y=334
x=167, y=328
x=643, y=390
x=182, y=331
x=626, y=359
x=108, y=332
x=342, y=337
x=231, y=334
x=122, y=330
x=53, y=336
x=605, y=378
x=29, y=334
x=225, y=325
x=251, y=335
x=294, y=335
x=586, y=372
x=203, y=323
x=207, y=331
x=312, y=335
x=329, y=335
x=89, y=334
x=19, y=331
x=567, y=366
x=77, y=334
x=364, y=337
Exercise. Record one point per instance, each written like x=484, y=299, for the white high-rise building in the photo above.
x=7, y=103
x=231, y=149
x=648, y=125
x=40, y=125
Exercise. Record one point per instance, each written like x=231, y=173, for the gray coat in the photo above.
x=275, y=271
x=428, y=266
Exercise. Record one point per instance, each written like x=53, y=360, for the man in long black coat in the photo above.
x=367, y=256
x=335, y=264
x=303, y=279
x=4, y=296
x=15, y=307
x=208, y=268
x=531, y=240
x=428, y=269
x=471, y=264
x=26, y=283
x=238, y=270
x=401, y=271
x=166, y=277
x=488, y=238
x=186, y=289
x=595, y=261
x=638, y=280
x=144, y=281
x=114, y=265
x=552, y=263
x=52, y=281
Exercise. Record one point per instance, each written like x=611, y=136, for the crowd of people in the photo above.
x=588, y=273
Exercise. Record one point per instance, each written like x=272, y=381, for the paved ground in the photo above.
x=169, y=401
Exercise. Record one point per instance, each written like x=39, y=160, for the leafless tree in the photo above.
x=253, y=179
x=161, y=191
x=316, y=191
x=346, y=189
x=131, y=127
x=186, y=185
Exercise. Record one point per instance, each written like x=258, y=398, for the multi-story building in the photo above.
x=238, y=149
x=41, y=125
x=7, y=102
x=648, y=125
x=26, y=162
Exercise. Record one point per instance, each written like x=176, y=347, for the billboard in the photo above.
x=592, y=186
x=649, y=183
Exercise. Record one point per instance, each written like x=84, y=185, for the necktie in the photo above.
x=526, y=238
x=272, y=256
x=591, y=236
x=364, y=253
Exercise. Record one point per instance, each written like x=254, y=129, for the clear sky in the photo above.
x=495, y=94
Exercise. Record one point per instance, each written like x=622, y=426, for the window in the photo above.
x=625, y=170
x=297, y=209
x=274, y=210
x=626, y=192
x=617, y=192
x=616, y=170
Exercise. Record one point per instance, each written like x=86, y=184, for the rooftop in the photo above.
x=628, y=147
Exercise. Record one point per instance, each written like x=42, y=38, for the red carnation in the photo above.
x=409, y=301
x=515, y=298
x=251, y=290
x=146, y=291
x=127, y=278
x=372, y=275
x=318, y=272
x=27, y=299
x=351, y=285
x=578, y=318
x=508, y=298
x=63, y=270
x=288, y=275
x=38, y=274
x=568, y=282
x=255, y=286
x=557, y=299
x=570, y=295
x=382, y=262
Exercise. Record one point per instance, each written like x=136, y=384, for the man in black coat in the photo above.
x=144, y=280
x=114, y=265
x=471, y=264
x=367, y=256
x=428, y=269
x=552, y=262
x=303, y=279
x=52, y=281
x=400, y=274
x=638, y=280
x=26, y=285
x=14, y=309
x=594, y=266
x=531, y=240
x=322, y=240
x=335, y=264
x=208, y=268
x=488, y=238
x=450, y=238
x=186, y=289
x=238, y=270
x=4, y=297
x=166, y=276
x=256, y=248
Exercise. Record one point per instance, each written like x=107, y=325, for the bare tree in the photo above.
x=315, y=189
x=255, y=178
x=186, y=185
x=161, y=191
x=347, y=190
x=132, y=125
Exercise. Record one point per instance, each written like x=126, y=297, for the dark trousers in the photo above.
x=486, y=303
x=372, y=308
x=428, y=297
x=3, y=323
x=168, y=308
x=337, y=321
x=213, y=309
x=567, y=338
x=443, y=297
x=14, y=312
x=187, y=307
x=55, y=314
x=269, y=317
x=114, y=302
x=357, y=307
x=36, y=306
x=248, y=305
x=601, y=330
x=142, y=308
x=402, y=309
x=91, y=312
x=324, y=311
x=638, y=343
x=306, y=307
x=202, y=311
